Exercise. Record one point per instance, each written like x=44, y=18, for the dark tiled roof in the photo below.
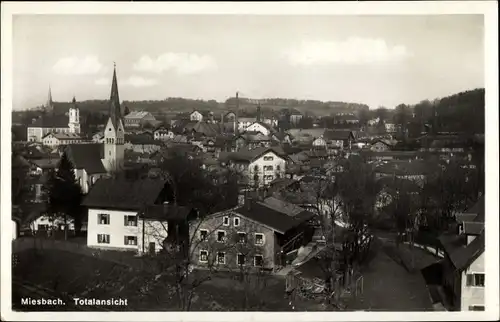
x=478, y=209
x=87, y=156
x=402, y=168
x=277, y=220
x=46, y=163
x=51, y=121
x=463, y=257
x=248, y=155
x=473, y=228
x=165, y=212
x=138, y=139
x=124, y=194
x=337, y=134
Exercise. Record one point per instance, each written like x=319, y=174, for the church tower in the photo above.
x=74, y=118
x=49, y=106
x=114, y=133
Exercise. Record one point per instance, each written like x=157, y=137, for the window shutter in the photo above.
x=125, y=221
x=125, y=240
x=470, y=280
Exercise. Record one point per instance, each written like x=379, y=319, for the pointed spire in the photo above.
x=114, y=111
x=49, y=99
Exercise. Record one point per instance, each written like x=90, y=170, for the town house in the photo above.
x=54, y=140
x=463, y=266
x=255, y=234
x=261, y=127
x=260, y=166
x=129, y=215
x=380, y=146
x=163, y=134
x=338, y=139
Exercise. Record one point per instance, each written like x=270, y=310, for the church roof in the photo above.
x=87, y=156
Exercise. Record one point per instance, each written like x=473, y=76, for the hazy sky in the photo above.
x=377, y=60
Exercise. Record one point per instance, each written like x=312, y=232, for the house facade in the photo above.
x=260, y=166
x=380, y=146
x=463, y=266
x=196, y=116
x=54, y=140
x=117, y=216
x=259, y=127
x=163, y=134
x=254, y=235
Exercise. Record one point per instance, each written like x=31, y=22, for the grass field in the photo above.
x=387, y=286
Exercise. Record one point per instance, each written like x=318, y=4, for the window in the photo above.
x=268, y=168
x=259, y=239
x=240, y=260
x=225, y=221
x=221, y=236
x=278, y=168
x=203, y=256
x=236, y=221
x=130, y=221
x=269, y=178
x=103, y=219
x=131, y=240
x=258, y=260
x=221, y=258
x=476, y=308
x=242, y=238
x=268, y=158
x=203, y=234
x=256, y=168
x=476, y=280
x=102, y=239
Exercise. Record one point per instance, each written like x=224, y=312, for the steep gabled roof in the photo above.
x=338, y=134
x=87, y=156
x=124, y=194
x=466, y=255
x=249, y=155
x=277, y=220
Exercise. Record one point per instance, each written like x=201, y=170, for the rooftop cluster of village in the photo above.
x=231, y=191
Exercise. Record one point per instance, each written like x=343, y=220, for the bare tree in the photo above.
x=207, y=192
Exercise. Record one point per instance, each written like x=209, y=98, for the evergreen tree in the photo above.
x=65, y=195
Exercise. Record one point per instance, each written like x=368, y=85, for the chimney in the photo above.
x=248, y=203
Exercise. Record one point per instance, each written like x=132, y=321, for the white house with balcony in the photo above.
x=130, y=215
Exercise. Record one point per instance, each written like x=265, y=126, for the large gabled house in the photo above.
x=131, y=215
x=260, y=166
x=463, y=267
x=255, y=234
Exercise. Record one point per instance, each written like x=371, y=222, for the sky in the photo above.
x=374, y=60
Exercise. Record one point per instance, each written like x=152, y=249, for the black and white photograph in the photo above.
x=249, y=159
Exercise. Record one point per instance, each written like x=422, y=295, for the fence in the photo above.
x=125, y=258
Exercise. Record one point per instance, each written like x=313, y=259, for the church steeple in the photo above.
x=49, y=105
x=115, y=113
